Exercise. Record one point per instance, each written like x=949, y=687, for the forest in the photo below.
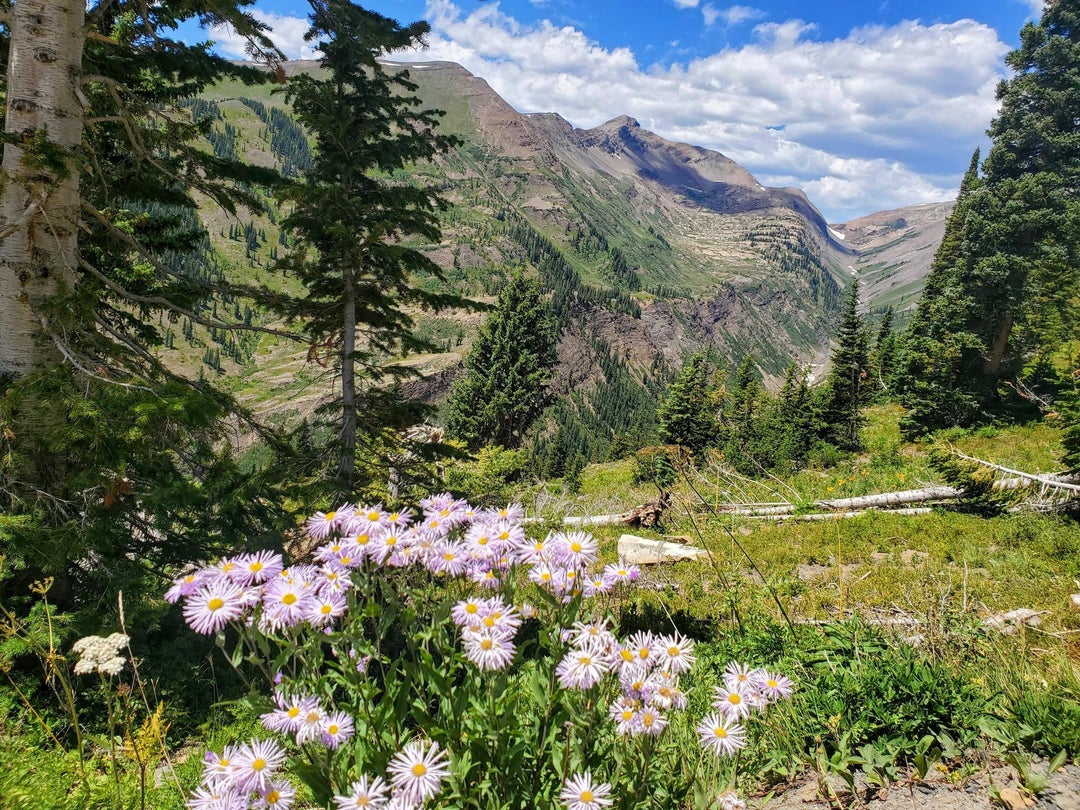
x=380, y=605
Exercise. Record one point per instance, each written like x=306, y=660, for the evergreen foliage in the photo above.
x=885, y=358
x=1003, y=294
x=350, y=220
x=848, y=387
x=687, y=415
x=506, y=372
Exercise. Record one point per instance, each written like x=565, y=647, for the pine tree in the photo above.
x=885, y=358
x=848, y=387
x=1005, y=292
x=507, y=370
x=350, y=220
x=687, y=415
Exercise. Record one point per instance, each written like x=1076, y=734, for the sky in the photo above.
x=865, y=106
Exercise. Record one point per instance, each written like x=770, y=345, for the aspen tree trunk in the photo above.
x=39, y=209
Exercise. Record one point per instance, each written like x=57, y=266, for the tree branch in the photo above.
x=70, y=356
x=165, y=303
x=137, y=247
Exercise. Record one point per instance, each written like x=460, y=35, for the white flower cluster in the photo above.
x=97, y=654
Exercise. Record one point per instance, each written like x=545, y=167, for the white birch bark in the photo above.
x=39, y=209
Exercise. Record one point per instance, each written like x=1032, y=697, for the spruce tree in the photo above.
x=848, y=387
x=885, y=358
x=1004, y=292
x=687, y=414
x=350, y=220
x=507, y=370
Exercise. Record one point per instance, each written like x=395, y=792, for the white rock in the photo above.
x=634, y=550
x=1007, y=623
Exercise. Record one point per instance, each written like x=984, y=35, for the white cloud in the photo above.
x=731, y=16
x=1035, y=7
x=686, y=3
x=286, y=32
x=883, y=117
x=710, y=13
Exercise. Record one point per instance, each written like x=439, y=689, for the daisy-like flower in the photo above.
x=278, y=795
x=580, y=793
x=582, y=668
x=447, y=557
x=311, y=723
x=642, y=644
x=637, y=683
x=289, y=714
x=218, y=769
x=735, y=703
x=489, y=650
x=593, y=632
x=649, y=721
x=366, y=519
x=738, y=673
x=285, y=604
x=186, y=585
x=255, y=765
x=322, y=610
x=623, y=711
x=596, y=583
x=214, y=605
x=364, y=794
x=676, y=653
x=336, y=728
x=467, y=612
x=619, y=573
x=730, y=801
x=668, y=696
x=515, y=513
x=578, y=549
x=322, y=524
x=258, y=567
x=721, y=734
x=399, y=519
x=774, y=687
x=417, y=771
x=216, y=798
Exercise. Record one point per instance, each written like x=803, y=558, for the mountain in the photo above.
x=651, y=250
x=893, y=251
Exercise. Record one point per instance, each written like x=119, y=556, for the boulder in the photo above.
x=634, y=550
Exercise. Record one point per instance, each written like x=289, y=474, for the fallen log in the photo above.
x=910, y=510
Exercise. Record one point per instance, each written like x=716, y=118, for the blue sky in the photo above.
x=864, y=105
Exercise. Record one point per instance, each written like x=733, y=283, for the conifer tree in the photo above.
x=687, y=415
x=1007, y=292
x=885, y=358
x=507, y=370
x=350, y=221
x=848, y=386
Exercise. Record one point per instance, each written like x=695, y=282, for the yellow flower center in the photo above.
x=326, y=609
x=772, y=683
x=331, y=515
x=258, y=764
x=289, y=599
x=545, y=576
x=372, y=516
x=575, y=547
x=586, y=796
x=363, y=801
x=227, y=567
x=585, y=660
x=419, y=769
x=471, y=608
x=486, y=644
x=627, y=655
x=294, y=711
x=223, y=762
x=734, y=699
x=489, y=621
x=255, y=567
x=362, y=539
x=627, y=714
x=217, y=603
x=346, y=560
x=673, y=651
x=448, y=556
x=394, y=516
x=272, y=797
x=647, y=719
x=390, y=540
x=643, y=652
x=332, y=729
x=720, y=732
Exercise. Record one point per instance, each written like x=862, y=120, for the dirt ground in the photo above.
x=1062, y=792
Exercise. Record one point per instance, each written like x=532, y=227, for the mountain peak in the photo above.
x=619, y=122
